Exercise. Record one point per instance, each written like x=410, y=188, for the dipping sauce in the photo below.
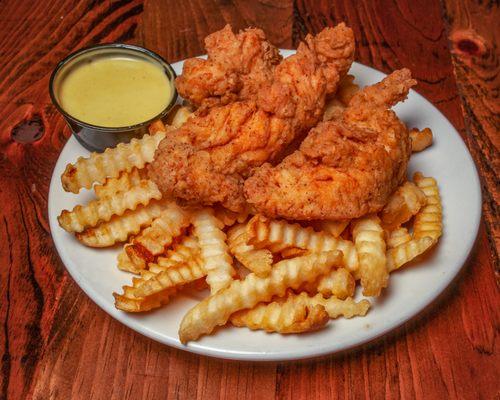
x=114, y=91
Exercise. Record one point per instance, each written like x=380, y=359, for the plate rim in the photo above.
x=303, y=354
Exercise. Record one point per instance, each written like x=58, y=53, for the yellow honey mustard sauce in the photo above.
x=115, y=91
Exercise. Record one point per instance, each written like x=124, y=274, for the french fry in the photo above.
x=406, y=252
x=187, y=251
x=370, y=245
x=157, y=126
x=279, y=235
x=171, y=277
x=428, y=221
x=291, y=252
x=290, y=314
x=334, y=228
x=151, y=242
x=228, y=217
x=129, y=303
x=338, y=283
x=404, y=203
x=398, y=237
x=217, y=308
x=99, y=166
x=427, y=227
x=82, y=217
x=420, y=139
x=183, y=266
x=179, y=115
x=256, y=260
x=214, y=250
x=125, y=263
x=125, y=181
x=120, y=228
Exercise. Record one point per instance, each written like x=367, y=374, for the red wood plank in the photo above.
x=55, y=343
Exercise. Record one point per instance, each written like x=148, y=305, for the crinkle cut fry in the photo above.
x=420, y=139
x=179, y=116
x=256, y=260
x=286, y=315
x=171, y=277
x=405, y=252
x=398, y=237
x=151, y=242
x=188, y=250
x=82, y=217
x=403, y=204
x=130, y=302
x=214, y=250
x=279, y=235
x=427, y=227
x=228, y=217
x=157, y=127
x=183, y=263
x=125, y=181
x=141, y=304
x=99, y=166
x=429, y=220
x=216, y=309
x=334, y=228
x=370, y=244
x=338, y=283
x=120, y=228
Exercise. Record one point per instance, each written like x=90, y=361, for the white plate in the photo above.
x=410, y=290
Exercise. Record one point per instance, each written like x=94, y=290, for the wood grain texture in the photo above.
x=476, y=61
x=56, y=344
x=193, y=20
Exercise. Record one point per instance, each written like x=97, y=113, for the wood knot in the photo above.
x=467, y=43
x=28, y=131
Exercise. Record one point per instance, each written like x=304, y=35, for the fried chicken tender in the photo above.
x=236, y=67
x=344, y=168
x=208, y=158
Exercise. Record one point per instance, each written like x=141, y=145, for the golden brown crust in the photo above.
x=208, y=158
x=236, y=67
x=343, y=169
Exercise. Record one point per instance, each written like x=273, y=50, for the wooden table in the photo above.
x=56, y=343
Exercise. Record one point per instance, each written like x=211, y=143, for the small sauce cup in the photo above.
x=95, y=137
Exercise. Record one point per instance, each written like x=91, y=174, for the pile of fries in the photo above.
x=266, y=274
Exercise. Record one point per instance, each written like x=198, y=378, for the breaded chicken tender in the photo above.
x=344, y=168
x=236, y=67
x=208, y=158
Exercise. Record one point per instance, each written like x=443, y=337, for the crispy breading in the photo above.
x=207, y=159
x=237, y=65
x=344, y=168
